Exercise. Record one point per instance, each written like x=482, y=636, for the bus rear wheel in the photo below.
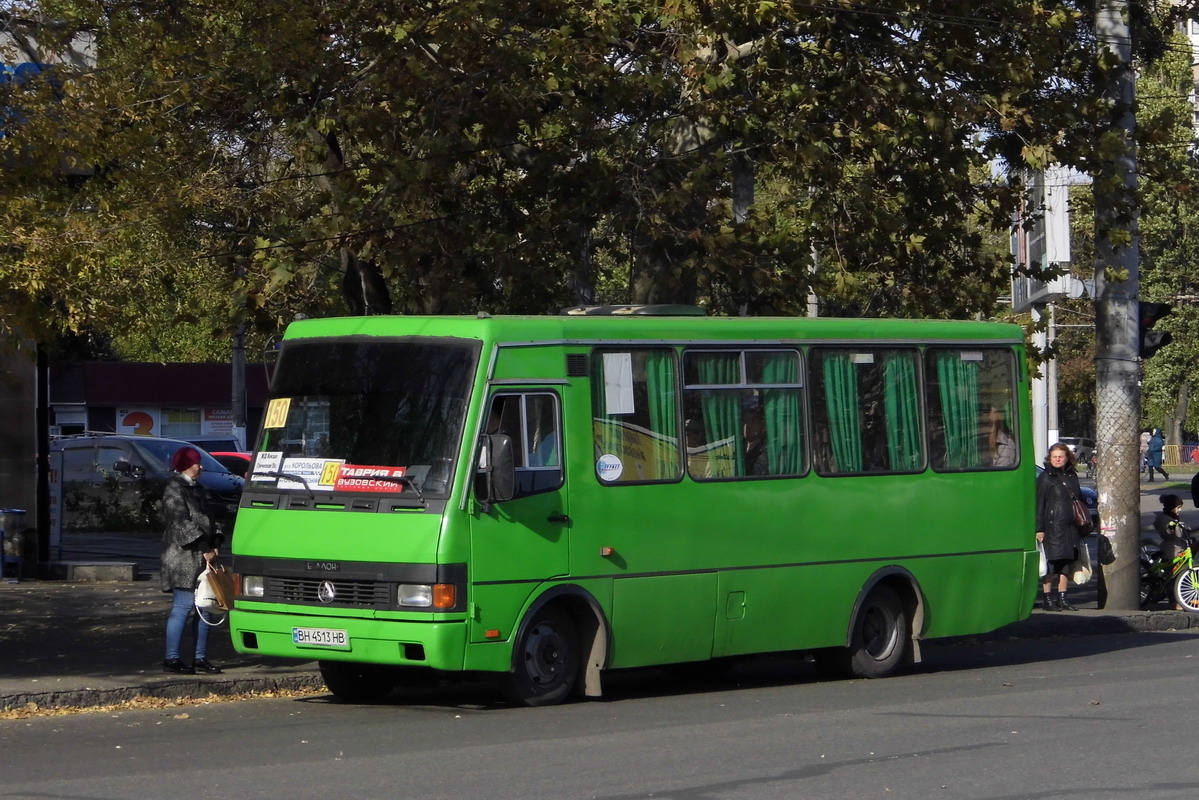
x=545, y=662
x=880, y=635
x=877, y=644
x=357, y=683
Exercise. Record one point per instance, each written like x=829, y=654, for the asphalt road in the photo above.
x=1086, y=717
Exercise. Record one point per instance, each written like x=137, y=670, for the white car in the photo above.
x=1082, y=448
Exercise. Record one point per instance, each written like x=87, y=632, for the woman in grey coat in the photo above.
x=189, y=543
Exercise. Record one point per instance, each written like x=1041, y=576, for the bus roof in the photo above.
x=657, y=328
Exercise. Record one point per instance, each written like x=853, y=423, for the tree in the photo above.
x=477, y=155
x=1170, y=237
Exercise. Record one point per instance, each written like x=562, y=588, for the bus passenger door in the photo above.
x=520, y=542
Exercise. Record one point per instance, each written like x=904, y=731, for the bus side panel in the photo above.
x=970, y=593
x=662, y=619
x=787, y=608
x=496, y=610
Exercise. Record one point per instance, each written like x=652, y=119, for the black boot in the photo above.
x=1063, y=604
x=1049, y=603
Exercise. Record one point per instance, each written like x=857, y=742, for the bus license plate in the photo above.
x=320, y=637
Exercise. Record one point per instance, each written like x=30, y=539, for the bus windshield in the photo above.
x=358, y=415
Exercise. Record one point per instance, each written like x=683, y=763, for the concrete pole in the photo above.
x=238, y=401
x=1117, y=354
x=1039, y=399
x=1052, y=428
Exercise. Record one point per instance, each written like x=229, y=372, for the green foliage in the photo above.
x=1170, y=235
x=247, y=160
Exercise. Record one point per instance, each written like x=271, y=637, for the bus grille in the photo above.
x=348, y=593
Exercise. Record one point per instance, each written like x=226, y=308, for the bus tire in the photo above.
x=1186, y=589
x=880, y=635
x=351, y=682
x=545, y=661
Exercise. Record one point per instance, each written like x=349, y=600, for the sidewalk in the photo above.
x=66, y=645
x=89, y=644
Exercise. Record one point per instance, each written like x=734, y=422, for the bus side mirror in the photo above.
x=498, y=467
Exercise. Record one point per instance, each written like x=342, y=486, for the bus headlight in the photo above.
x=415, y=594
x=253, y=586
x=424, y=595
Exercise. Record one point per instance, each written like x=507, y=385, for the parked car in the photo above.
x=1081, y=447
x=1089, y=496
x=214, y=444
x=236, y=462
x=114, y=482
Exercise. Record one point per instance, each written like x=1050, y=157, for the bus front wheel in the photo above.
x=357, y=683
x=545, y=661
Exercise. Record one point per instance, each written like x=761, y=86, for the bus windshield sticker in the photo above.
x=356, y=478
x=312, y=470
x=862, y=358
x=618, y=383
x=276, y=412
x=609, y=467
x=972, y=355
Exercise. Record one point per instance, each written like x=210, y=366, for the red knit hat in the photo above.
x=185, y=458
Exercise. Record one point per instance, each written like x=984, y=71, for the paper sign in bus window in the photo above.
x=618, y=383
x=265, y=463
x=309, y=473
x=364, y=478
x=276, y=412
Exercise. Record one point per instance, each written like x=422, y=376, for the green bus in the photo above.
x=547, y=498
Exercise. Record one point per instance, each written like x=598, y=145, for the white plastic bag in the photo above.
x=1080, y=568
x=1041, y=556
x=208, y=603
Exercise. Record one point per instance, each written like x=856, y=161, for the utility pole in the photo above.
x=1117, y=352
x=238, y=401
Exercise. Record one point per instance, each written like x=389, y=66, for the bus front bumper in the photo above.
x=435, y=644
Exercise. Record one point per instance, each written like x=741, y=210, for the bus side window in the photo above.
x=533, y=423
x=866, y=404
x=969, y=399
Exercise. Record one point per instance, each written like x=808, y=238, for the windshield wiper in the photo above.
x=403, y=480
x=288, y=476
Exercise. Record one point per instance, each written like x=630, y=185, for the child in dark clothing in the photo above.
x=1172, y=529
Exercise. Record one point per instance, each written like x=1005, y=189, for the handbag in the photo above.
x=1082, y=518
x=214, y=594
x=1107, y=553
x=1080, y=567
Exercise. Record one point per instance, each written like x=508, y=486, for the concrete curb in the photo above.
x=1089, y=621
x=191, y=689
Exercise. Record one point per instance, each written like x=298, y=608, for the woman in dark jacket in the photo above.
x=1057, y=489
x=189, y=543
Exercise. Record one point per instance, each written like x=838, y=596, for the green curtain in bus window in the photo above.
x=958, y=382
x=902, y=406
x=841, y=400
x=784, y=443
x=722, y=413
x=663, y=413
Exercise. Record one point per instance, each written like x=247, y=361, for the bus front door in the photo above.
x=520, y=542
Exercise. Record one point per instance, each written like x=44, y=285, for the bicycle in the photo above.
x=1177, y=579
